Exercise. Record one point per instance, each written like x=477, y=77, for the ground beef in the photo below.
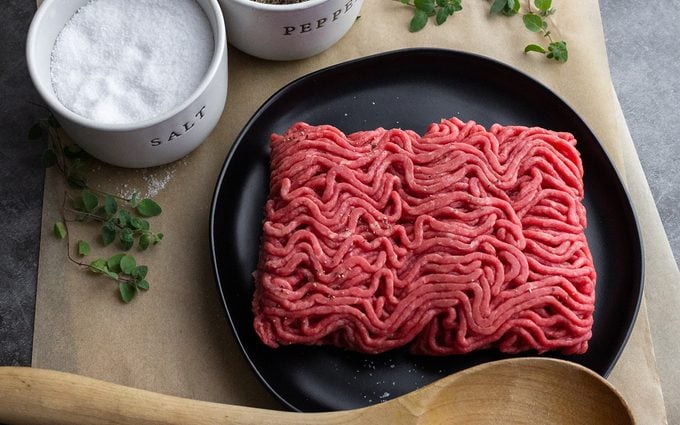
x=459, y=240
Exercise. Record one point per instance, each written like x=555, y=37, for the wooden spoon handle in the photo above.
x=39, y=396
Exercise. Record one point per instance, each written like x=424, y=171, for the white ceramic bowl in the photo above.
x=288, y=31
x=148, y=143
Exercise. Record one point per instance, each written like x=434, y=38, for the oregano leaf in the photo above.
x=98, y=266
x=123, y=218
x=75, y=174
x=111, y=275
x=127, y=264
x=108, y=232
x=134, y=200
x=498, y=6
x=110, y=206
x=533, y=22
x=114, y=262
x=127, y=292
x=74, y=151
x=83, y=248
x=136, y=223
x=543, y=5
x=149, y=208
x=534, y=48
x=511, y=8
x=89, y=200
x=558, y=50
x=139, y=272
x=418, y=21
x=442, y=15
x=126, y=239
x=49, y=158
x=144, y=241
x=59, y=230
x=76, y=181
x=143, y=284
x=426, y=6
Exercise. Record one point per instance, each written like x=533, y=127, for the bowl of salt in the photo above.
x=135, y=84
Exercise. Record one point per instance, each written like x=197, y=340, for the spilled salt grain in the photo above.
x=155, y=180
x=157, y=183
x=127, y=61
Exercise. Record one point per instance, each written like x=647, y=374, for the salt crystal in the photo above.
x=157, y=183
x=155, y=178
x=120, y=62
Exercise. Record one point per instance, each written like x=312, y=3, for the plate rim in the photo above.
x=377, y=56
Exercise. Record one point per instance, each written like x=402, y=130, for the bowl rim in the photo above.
x=305, y=4
x=55, y=105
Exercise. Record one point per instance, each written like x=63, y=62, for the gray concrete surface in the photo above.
x=646, y=75
x=641, y=49
x=21, y=185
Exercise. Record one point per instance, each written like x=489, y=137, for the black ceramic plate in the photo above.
x=408, y=89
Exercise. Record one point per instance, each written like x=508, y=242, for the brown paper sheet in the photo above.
x=175, y=338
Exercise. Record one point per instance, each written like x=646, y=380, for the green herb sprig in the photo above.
x=126, y=222
x=122, y=267
x=120, y=219
x=534, y=21
x=424, y=9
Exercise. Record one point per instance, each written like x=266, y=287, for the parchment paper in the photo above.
x=175, y=338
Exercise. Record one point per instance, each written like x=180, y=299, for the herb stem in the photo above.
x=102, y=192
x=55, y=141
x=39, y=105
x=86, y=214
x=68, y=234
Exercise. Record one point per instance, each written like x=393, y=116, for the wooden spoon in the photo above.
x=515, y=391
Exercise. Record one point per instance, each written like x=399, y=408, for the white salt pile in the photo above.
x=119, y=62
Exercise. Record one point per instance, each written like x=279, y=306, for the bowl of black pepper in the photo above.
x=288, y=29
